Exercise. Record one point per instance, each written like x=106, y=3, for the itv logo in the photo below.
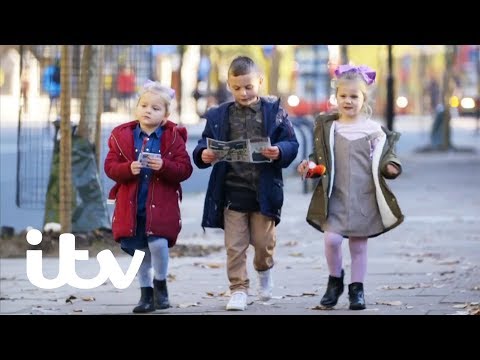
x=109, y=268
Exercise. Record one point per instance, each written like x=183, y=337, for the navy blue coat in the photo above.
x=278, y=127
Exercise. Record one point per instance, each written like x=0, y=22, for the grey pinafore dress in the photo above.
x=353, y=208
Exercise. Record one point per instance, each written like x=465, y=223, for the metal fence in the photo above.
x=124, y=68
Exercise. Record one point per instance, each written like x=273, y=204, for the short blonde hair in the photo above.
x=167, y=94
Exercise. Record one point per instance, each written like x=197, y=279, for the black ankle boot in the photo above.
x=145, y=304
x=355, y=295
x=160, y=294
x=334, y=290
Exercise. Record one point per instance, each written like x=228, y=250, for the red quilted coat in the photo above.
x=164, y=193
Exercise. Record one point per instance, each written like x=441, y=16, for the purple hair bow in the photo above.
x=150, y=84
x=367, y=73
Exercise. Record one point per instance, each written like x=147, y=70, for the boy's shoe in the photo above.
x=238, y=301
x=265, y=285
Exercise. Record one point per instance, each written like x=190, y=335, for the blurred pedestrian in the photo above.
x=153, y=223
x=126, y=85
x=433, y=89
x=222, y=94
x=352, y=200
x=25, y=87
x=51, y=85
x=245, y=199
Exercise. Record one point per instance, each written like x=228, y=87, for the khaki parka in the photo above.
x=383, y=154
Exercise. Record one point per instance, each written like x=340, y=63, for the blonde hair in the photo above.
x=166, y=94
x=364, y=88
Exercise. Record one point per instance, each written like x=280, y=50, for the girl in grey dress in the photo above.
x=352, y=200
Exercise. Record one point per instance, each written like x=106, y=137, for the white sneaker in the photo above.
x=265, y=285
x=238, y=301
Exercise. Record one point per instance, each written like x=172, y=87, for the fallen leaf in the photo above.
x=186, y=305
x=77, y=310
x=88, y=298
x=291, y=243
x=391, y=303
x=321, y=307
x=70, y=298
x=209, y=265
x=171, y=277
x=211, y=294
x=475, y=312
x=448, y=262
x=399, y=287
x=296, y=254
x=446, y=272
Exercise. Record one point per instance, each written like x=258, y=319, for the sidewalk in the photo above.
x=429, y=265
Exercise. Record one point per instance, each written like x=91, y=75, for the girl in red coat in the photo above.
x=148, y=159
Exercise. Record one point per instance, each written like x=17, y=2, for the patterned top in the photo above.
x=246, y=122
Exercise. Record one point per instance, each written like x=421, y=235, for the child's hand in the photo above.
x=155, y=162
x=271, y=152
x=302, y=168
x=135, y=167
x=208, y=156
x=392, y=170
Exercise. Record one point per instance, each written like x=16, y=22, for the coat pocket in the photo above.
x=368, y=203
x=276, y=194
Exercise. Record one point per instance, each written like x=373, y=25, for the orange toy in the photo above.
x=315, y=170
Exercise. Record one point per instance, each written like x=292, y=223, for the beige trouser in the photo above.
x=241, y=230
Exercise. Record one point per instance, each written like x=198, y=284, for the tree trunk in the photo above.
x=82, y=130
x=450, y=55
x=99, y=52
x=177, y=81
x=65, y=172
x=274, y=70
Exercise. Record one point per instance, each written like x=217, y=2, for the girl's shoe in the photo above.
x=335, y=288
x=356, y=296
